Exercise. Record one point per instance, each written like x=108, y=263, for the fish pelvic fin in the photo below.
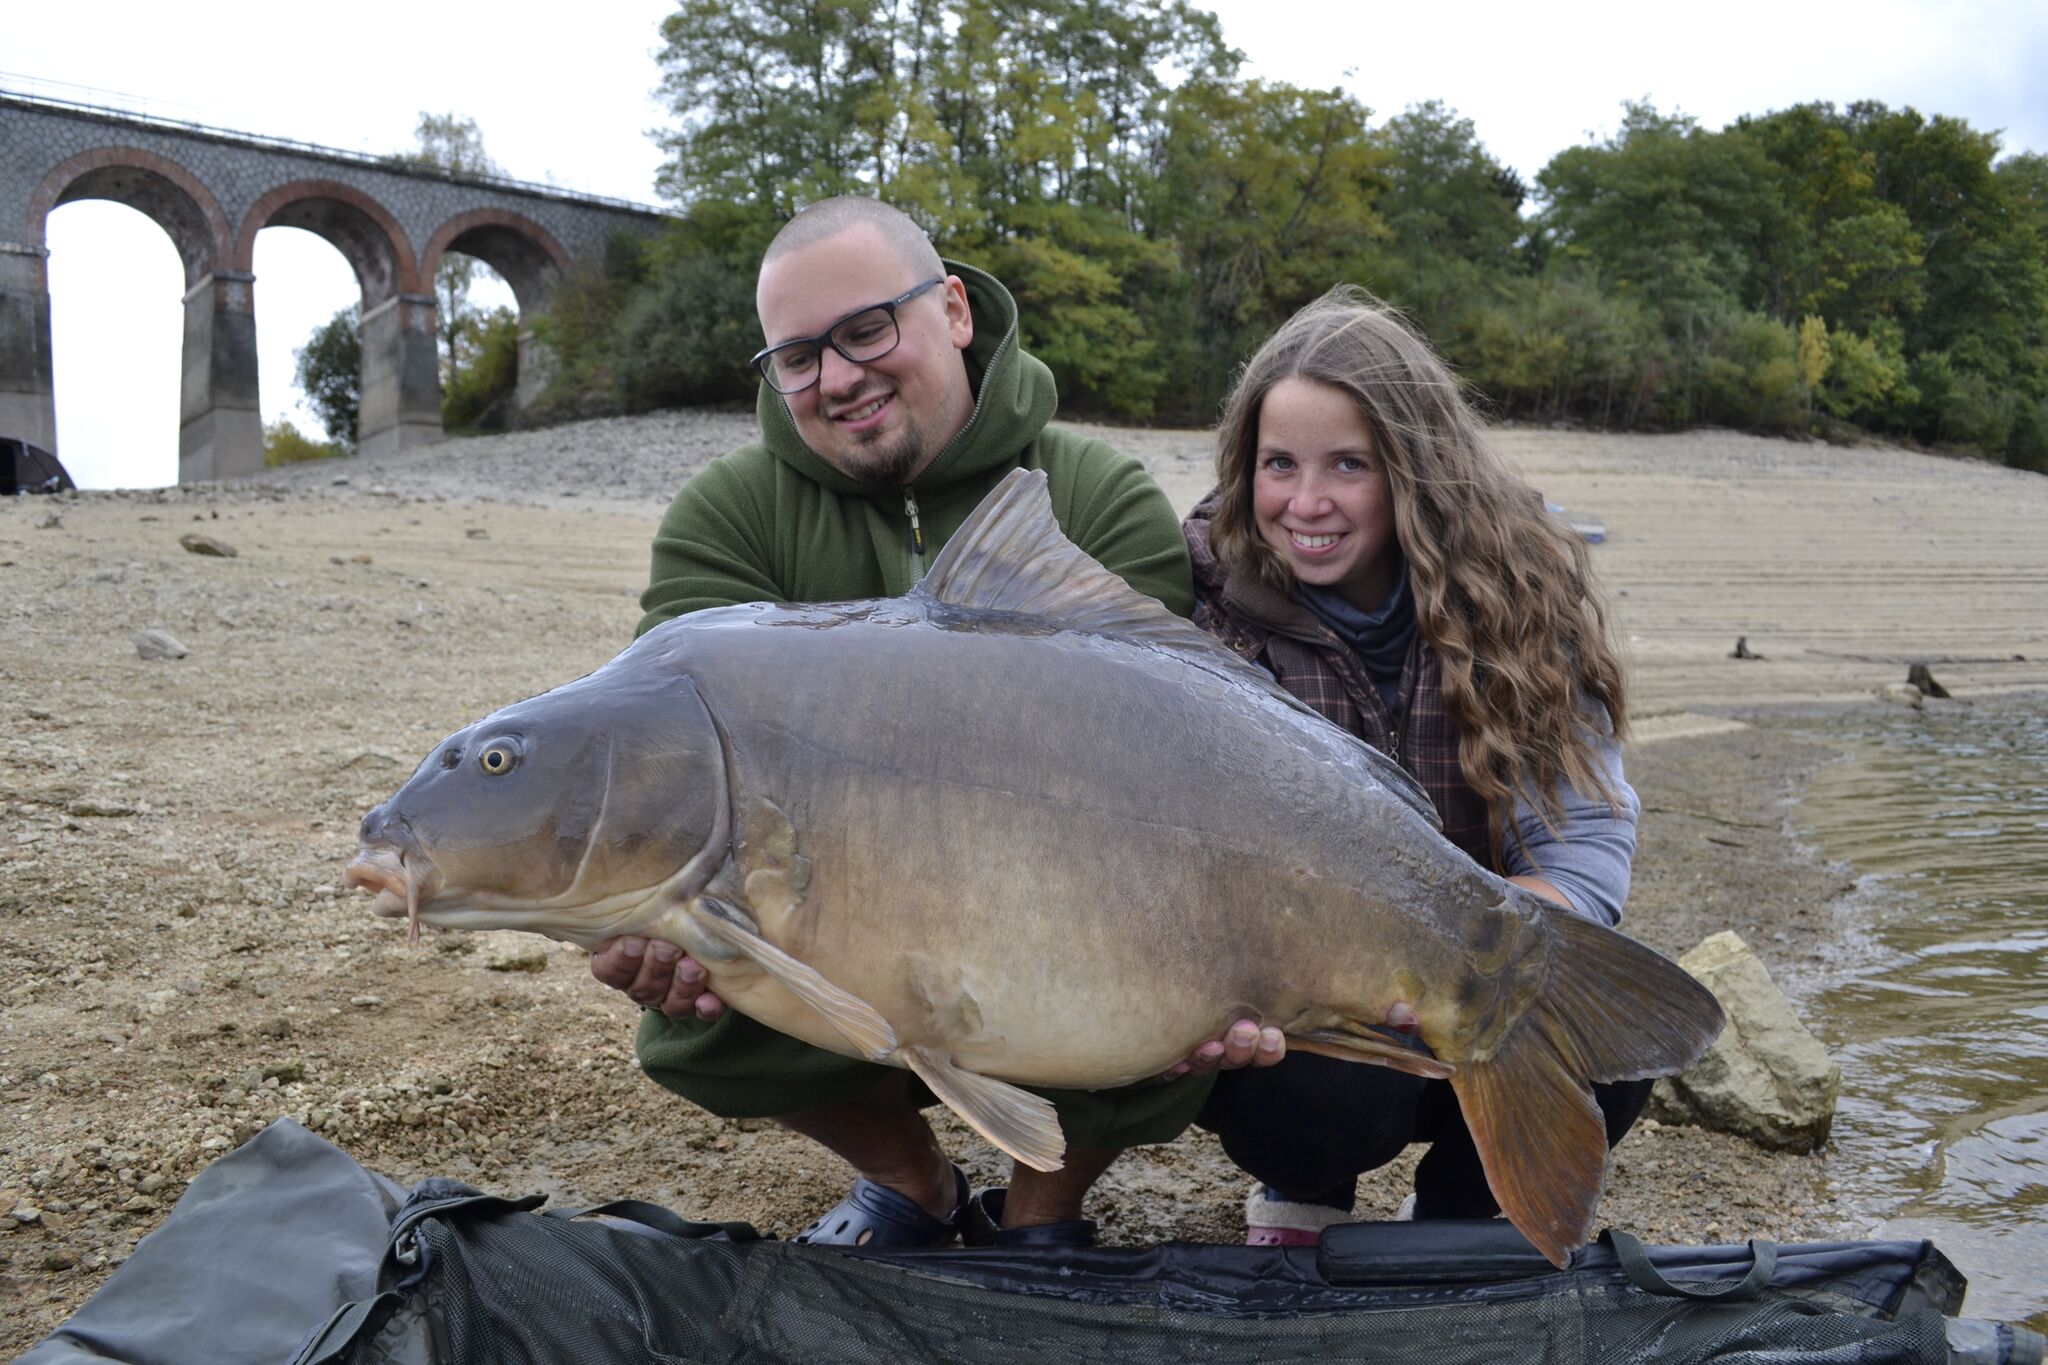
x=1023, y=1124
x=1610, y=1009
x=1368, y=1047
x=1541, y=1140
x=860, y=1023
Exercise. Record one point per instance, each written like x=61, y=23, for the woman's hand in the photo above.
x=657, y=975
x=1244, y=1043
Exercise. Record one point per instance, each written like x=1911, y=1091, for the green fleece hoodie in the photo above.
x=772, y=522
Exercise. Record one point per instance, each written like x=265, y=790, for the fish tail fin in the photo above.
x=1612, y=1010
x=1541, y=1140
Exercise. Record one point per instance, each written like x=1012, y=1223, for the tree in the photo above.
x=1452, y=214
x=453, y=142
x=330, y=374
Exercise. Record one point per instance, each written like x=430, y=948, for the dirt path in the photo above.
x=178, y=964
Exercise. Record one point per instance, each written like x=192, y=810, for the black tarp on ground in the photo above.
x=287, y=1250
x=26, y=468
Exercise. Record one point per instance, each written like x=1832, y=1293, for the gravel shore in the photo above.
x=179, y=964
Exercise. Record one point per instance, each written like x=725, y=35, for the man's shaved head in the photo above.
x=830, y=217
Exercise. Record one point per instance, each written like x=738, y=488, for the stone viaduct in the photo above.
x=213, y=191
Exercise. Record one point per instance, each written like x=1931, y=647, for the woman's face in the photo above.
x=1320, y=497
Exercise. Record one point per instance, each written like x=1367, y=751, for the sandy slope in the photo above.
x=178, y=966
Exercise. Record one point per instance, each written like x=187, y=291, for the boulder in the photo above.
x=1765, y=1078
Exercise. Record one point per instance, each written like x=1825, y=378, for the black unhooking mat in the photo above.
x=287, y=1250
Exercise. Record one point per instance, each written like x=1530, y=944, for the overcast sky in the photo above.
x=571, y=103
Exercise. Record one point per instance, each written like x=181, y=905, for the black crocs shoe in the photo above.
x=875, y=1216
x=984, y=1227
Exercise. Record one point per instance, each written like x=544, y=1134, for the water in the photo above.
x=1940, y=1017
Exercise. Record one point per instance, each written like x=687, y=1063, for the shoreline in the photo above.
x=171, y=834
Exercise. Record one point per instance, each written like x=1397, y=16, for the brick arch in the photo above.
x=171, y=196
x=521, y=250
x=363, y=230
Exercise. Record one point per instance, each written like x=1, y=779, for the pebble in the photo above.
x=526, y=957
x=199, y=543
x=59, y=1258
x=89, y=806
x=158, y=644
x=366, y=1002
x=277, y=1026
x=49, y=521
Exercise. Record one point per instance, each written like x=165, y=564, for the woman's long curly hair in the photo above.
x=1503, y=593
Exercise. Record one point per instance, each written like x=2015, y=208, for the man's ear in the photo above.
x=959, y=317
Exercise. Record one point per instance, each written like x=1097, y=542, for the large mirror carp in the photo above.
x=1025, y=826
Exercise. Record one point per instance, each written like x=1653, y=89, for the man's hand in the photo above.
x=657, y=975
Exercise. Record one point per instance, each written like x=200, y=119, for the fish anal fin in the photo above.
x=1355, y=1047
x=1023, y=1124
x=1541, y=1141
x=860, y=1023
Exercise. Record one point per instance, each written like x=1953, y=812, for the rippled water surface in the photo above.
x=1940, y=1021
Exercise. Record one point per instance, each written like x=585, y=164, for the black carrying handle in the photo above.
x=1636, y=1265
x=660, y=1219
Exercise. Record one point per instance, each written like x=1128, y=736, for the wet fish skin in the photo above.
x=1025, y=826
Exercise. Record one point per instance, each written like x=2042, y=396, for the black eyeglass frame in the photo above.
x=764, y=358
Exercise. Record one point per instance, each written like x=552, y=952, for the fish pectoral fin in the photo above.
x=1367, y=1047
x=1021, y=1123
x=857, y=1021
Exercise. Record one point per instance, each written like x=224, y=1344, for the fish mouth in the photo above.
x=400, y=883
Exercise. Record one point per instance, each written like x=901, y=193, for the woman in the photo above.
x=1367, y=546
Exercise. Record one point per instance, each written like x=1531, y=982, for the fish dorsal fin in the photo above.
x=1011, y=555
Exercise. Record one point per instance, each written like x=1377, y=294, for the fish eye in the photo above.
x=499, y=757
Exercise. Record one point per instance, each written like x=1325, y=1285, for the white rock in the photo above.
x=161, y=644
x=1765, y=1078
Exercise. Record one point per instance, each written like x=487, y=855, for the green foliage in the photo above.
x=684, y=332
x=284, y=443
x=1561, y=347
x=478, y=397
x=1156, y=214
x=330, y=373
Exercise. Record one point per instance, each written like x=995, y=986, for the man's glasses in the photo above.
x=862, y=336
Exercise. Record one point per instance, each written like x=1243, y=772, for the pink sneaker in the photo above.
x=1279, y=1223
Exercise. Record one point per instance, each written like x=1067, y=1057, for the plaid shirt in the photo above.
x=1293, y=644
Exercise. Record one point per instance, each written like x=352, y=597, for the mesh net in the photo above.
x=525, y=1288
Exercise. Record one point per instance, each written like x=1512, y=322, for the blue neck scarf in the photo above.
x=1381, y=638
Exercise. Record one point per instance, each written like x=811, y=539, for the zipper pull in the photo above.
x=916, y=531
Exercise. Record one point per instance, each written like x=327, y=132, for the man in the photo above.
x=895, y=394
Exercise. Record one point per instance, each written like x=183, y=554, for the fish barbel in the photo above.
x=1024, y=826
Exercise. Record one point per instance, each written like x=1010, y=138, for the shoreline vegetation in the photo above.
x=1157, y=212
x=180, y=965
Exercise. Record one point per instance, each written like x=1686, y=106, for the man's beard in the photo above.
x=891, y=461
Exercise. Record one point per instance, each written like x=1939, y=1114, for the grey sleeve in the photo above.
x=1587, y=854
